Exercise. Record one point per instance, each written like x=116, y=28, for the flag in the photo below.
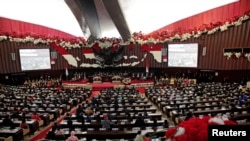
x=164, y=54
x=147, y=66
x=52, y=61
x=154, y=49
x=164, y=58
x=66, y=71
x=66, y=55
x=88, y=53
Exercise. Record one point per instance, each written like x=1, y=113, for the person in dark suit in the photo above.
x=70, y=125
x=106, y=122
x=7, y=121
x=189, y=115
x=129, y=118
x=51, y=135
x=79, y=110
x=139, y=122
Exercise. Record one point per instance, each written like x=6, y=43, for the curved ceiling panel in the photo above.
x=105, y=18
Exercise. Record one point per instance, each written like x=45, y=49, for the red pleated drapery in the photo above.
x=220, y=14
x=20, y=28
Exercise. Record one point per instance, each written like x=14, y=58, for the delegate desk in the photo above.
x=33, y=124
x=51, y=111
x=130, y=110
x=146, y=105
x=176, y=114
x=43, y=116
x=241, y=117
x=169, y=109
x=16, y=133
x=123, y=116
x=104, y=134
x=192, y=102
x=114, y=124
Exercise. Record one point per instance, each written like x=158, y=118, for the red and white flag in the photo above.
x=164, y=54
x=154, y=49
x=66, y=70
x=66, y=55
x=147, y=65
x=88, y=53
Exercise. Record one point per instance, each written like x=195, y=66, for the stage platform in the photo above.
x=104, y=85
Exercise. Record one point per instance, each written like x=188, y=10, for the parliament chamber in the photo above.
x=158, y=86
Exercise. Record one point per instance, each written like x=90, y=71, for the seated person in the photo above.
x=139, y=136
x=59, y=134
x=35, y=116
x=242, y=100
x=79, y=110
x=129, y=118
x=88, y=111
x=72, y=137
x=189, y=115
x=105, y=122
x=68, y=116
x=51, y=134
x=23, y=124
x=70, y=125
x=80, y=118
x=7, y=122
x=139, y=122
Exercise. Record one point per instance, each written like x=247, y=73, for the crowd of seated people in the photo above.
x=25, y=107
x=121, y=109
x=202, y=99
x=113, y=110
x=42, y=82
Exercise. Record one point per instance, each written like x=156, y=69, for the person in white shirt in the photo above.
x=139, y=136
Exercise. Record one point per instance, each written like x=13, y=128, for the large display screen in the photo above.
x=183, y=55
x=34, y=59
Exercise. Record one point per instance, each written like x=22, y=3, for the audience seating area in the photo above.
x=48, y=103
x=160, y=107
x=202, y=99
x=122, y=107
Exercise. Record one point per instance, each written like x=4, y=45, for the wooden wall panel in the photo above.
x=234, y=37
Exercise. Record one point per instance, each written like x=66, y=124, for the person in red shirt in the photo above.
x=23, y=124
x=35, y=116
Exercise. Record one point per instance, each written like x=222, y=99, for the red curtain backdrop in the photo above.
x=19, y=27
x=220, y=14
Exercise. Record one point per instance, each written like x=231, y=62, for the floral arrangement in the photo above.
x=181, y=34
x=97, y=78
x=237, y=54
x=228, y=55
x=116, y=78
x=126, y=81
x=139, y=37
x=247, y=55
x=195, y=128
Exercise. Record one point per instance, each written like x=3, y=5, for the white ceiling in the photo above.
x=141, y=15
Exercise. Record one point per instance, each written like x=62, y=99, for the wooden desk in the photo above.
x=120, y=124
x=241, y=117
x=33, y=124
x=102, y=135
x=17, y=133
x=136, y=110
